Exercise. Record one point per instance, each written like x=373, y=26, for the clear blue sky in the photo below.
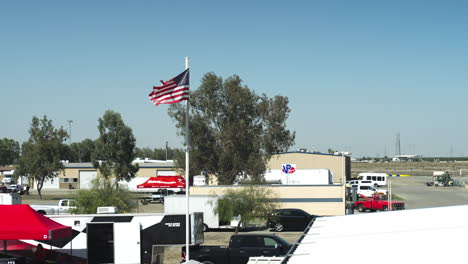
x=356, y=72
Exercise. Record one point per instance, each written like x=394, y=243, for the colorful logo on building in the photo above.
x=288, y=168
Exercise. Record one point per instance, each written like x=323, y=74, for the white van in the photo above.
x=378, y=179
x=360, y=182
x=367, y=190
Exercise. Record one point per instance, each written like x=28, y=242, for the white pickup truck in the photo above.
x=63, y=207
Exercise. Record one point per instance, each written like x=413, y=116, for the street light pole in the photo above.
x=70, y=123
x=166, y=150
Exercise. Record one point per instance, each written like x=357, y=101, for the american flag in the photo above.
x=172, y=91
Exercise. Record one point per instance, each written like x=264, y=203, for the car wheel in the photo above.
x=385, y=208
x=279, y=227
x=361, y=208
x=42, y=212
x=205, y=228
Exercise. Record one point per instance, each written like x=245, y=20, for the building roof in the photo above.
x=310, y=153
x=7, y=168
x=433, y=235
x=142, y=164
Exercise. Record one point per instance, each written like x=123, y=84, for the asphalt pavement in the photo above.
x=417, y=194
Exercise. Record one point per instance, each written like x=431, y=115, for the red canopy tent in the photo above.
x=163, y=182
x=20, y=221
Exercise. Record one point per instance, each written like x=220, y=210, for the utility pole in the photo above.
x=166, y=149
x=398, y=146
x=70, y=123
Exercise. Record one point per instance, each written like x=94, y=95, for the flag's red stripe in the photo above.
x=174, y=100
x=166, y=89
x=174, y=96
x=177, y=99
x=170, y=96
x=159, y=88
x=170, y=91
x=167, y=97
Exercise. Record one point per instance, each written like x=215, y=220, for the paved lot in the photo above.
x=418, y=195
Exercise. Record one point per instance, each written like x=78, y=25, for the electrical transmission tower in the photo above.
x=398, y=146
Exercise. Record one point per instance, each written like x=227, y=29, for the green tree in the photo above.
x=145, y=153
x=9, y=151
x=104, y=192
x=82, y=151
x=233, y=131
x=250, y=203
x=156, y=153
x=41, y=154
x=115, y=148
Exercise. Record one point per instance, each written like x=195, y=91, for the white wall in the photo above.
x=86, y=177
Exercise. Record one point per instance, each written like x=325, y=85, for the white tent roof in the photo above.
x=434, y=235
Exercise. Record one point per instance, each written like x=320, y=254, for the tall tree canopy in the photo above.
x=233, y=131
x=9, y=151
x=115, y=148
x=157, y=153
x=81, y=151
x=41, y=154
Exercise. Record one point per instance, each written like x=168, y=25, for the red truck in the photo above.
x=377, y=202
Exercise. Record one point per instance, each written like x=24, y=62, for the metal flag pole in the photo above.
x=343, y=179
x=187, y=177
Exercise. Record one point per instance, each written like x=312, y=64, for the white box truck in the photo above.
x=175, y=204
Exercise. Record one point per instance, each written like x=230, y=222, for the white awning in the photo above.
x=433, y=235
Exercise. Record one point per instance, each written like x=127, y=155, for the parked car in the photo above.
x=368, y=190
x=15, y=188
x=241, y=248
x=289, y=219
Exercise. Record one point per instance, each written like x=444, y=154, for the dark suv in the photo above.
x=289, y=219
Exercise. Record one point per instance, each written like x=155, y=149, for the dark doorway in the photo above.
x=100, y=243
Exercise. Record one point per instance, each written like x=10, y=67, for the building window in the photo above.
x=68, y=180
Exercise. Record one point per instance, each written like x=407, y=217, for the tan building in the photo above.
x=340, y=166
x=79, y=175
x=319, y=200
